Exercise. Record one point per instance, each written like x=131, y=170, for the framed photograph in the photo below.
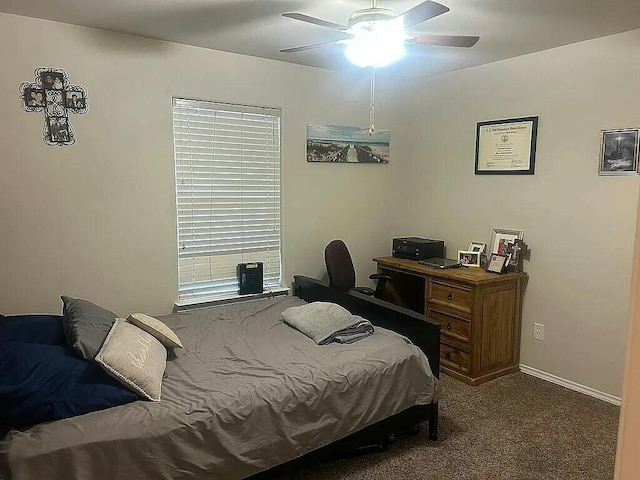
x=496, y=263
x=506, y=146
x=52, y=80
x=74, y=99
x=58, y=129
x=469, y=258
x=501, y=237
x=619, y=152
x=34, y=97
x=344, y=144
x=477, y=247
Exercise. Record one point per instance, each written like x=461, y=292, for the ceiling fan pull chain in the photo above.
x=372, y=105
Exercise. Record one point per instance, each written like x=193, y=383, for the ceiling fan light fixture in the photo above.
x=379, y=35
x=376, y=44
x=370, y=15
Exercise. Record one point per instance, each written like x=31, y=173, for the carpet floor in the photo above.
x=514, y=427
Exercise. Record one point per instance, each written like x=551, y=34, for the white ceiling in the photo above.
x=507, y=28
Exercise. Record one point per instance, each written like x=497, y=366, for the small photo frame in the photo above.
x=74, y=99
x=497, y=262
x=501, y=237
x=477, y=247
x=58, y=129
x=34, y=97
x=52, y=80
x=469, y=258
x=619, y=152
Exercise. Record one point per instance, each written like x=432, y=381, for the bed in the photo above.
x=247, y=394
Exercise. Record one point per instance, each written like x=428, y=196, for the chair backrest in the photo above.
x=339, y=265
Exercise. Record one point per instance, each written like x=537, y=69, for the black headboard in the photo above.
x=419, y=329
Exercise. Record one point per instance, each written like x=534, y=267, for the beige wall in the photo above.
x=580, y=226
x=97, y=219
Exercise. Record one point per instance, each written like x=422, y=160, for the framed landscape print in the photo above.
x=619, y=152
x=343, y=144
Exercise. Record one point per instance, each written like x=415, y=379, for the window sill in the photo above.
x=196, y=303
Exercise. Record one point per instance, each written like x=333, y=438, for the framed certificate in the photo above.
x=506, y=146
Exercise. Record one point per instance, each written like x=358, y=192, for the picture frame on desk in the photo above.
x=497, y=262
x=501, y=237
x=469, y=258
x=477, y=247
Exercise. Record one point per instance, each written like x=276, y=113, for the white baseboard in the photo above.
x=534, y=372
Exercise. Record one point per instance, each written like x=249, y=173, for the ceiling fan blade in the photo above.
x=316, y=21
x=421, y=12
x=465, y=41
x=310, y=47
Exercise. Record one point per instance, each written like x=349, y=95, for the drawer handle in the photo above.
x=449, y=326
x=450, y=297
x=448, y=355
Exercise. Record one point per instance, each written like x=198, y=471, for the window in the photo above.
x=227, y=160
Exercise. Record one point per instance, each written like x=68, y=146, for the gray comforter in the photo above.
x=245, y=394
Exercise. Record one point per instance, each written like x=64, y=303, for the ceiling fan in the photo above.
x=378, y=35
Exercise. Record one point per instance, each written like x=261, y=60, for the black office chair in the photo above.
x=342, y=275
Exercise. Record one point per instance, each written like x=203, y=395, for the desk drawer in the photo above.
x=453, y=357
x=455, y=327
x=445, y=293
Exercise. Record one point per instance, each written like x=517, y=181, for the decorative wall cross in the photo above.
x=53, y=94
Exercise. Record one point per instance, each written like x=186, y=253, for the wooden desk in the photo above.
x=480, y=314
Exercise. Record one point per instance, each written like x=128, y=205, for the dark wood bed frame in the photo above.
x=423, y=332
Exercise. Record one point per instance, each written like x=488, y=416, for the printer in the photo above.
x=417, y=248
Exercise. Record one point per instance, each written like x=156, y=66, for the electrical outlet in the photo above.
x=538, y=331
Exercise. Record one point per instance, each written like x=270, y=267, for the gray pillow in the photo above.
x=85, y=326
x=134, y=358
x=157, y=328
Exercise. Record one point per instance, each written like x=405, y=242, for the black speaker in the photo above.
x=249, y=278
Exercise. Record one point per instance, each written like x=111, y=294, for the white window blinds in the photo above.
x=227, y=161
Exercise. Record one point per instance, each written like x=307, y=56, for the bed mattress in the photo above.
x=246, y=393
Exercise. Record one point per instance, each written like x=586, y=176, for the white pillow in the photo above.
x=157, y=328
x=134, y=358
